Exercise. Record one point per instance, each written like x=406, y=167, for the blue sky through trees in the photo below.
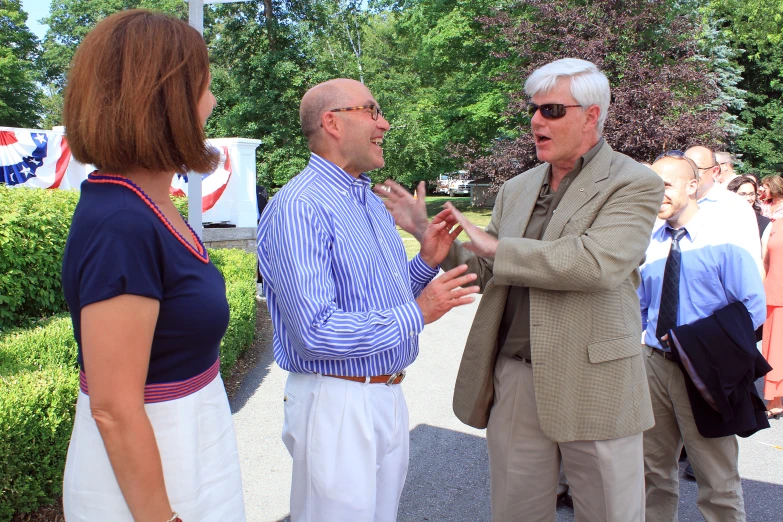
x=36, y=10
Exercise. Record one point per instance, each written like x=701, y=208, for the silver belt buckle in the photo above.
x=394, y=376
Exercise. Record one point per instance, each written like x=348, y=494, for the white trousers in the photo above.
x=349, y=442
x=198, y=451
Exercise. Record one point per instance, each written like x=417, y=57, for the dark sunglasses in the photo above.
x=550, y=111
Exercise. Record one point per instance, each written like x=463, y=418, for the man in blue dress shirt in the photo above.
x=731, y=211
x=347, y=308
x=712, y=272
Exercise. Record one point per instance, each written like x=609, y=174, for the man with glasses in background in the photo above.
x=692, y=269
x=553, y=366
x=727, y=172
x=347, y=308
x=724, y=206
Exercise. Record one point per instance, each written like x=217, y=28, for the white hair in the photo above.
x=589, y=85
x=724, y=157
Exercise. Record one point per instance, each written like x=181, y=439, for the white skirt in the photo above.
x=198, y=450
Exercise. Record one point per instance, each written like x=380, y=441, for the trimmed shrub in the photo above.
x=33, y=229
x=239, y=270
x=39, y=382
x=37, y=396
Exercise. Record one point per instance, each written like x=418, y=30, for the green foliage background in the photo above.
x=19, y=96
x=34, y=226
x=754, y=29
x=436, y=67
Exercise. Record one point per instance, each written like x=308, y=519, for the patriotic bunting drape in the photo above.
x=212, y=185
x=34, y=159
x=41, y=159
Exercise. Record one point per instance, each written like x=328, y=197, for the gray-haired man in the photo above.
x=553, y=366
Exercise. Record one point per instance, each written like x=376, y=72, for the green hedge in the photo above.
x=34, y=226
x=39, y=383
x=239, y=270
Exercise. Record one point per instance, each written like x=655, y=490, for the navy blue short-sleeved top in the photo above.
x=120, y=243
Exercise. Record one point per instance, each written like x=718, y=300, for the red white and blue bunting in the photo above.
x=212, y=185
x=34, y=159
x=41, y=159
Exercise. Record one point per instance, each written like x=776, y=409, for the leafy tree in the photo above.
x=433, y=67
x=754, y=29
x=69, y=22
x=18, y=50
x=259, y=77
x=51, y=106
x=719, y=56
x=340, y=28
x=663, y=98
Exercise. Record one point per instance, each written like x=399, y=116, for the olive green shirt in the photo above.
x=514, y=332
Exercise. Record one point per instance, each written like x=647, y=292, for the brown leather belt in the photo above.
x=388, y=380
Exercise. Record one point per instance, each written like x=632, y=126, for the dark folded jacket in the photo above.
x=720, y=361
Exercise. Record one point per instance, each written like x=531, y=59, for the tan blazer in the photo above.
x=585, y=321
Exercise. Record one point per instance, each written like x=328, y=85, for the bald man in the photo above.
x=729, y=211
x=347, y=308
x=694, y=242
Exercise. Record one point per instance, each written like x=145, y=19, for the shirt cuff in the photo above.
x=421, y=272
x=409, y=319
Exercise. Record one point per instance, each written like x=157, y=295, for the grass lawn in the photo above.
x=478, y=216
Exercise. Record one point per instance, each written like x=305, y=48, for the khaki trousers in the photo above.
x=606, y=477
x=714, y=461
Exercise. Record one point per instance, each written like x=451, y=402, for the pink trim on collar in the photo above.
x=201, y=253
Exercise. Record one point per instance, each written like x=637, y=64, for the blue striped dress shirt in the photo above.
x=338, y=284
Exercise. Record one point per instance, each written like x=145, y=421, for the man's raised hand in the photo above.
x=482, y=244
x=446, y=292
x=409, y=213
x=438, y=237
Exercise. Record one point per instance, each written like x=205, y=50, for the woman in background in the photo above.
x=747, y=187
x=153, y=439
x=772, y=339
x=772, y=197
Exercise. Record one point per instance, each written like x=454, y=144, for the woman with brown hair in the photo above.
x=153, y=435
x=772, y=197
x=747, y=187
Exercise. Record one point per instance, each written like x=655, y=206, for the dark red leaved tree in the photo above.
x=663, y=94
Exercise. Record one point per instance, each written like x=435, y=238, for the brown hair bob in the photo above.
x=132, y=95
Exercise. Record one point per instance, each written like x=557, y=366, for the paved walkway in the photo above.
x=448, y=479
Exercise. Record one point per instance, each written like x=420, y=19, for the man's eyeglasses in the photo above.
x=374, y=110
x=550, y=111
x=680, y=155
